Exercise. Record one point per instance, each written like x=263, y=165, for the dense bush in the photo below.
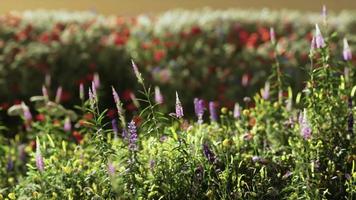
x=276, y=145
x=219, y=54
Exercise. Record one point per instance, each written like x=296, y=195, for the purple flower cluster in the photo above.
x=212, y=111
x=133, y=136
x=58, y=95
x=158, y=96
x=305, y=128
x=208, y=153
x=319, y=40
x=347, y=54
x=114, y=128
x=265, y=91
x=237, y=111
x=179, y=108
x=38, y=157
x=199, y=109
x=67, y=125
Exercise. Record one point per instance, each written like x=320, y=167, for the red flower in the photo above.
x=111, y=113
x=66, y=96
x=4, y=105
x=137, y=120
x=158, y=55
x=195, y=30
x=131, y=107
x=77, y=136
x=44, y=38
x=126, y=95
x=40, y=117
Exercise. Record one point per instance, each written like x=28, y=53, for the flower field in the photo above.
x=212, y=106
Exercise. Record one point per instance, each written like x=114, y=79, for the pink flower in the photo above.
x=319, y=40
x=347, y=54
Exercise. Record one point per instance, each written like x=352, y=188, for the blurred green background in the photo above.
x=153, y=6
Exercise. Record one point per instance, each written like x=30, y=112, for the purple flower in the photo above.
x=38, y=157
x=117, y=100
x=272, y=35
x=199, y=109
x=312, y=45
x=133, y=136
x=158, y=96
x=96, y=80
x=124, y=133
x=94, y=91
x=324, y=13
x=67, y=125
x=237, y=111
x=45, y=92
x=256, y=158
x=208, y=153
x=265, y=91
x=114, y=128
x=91, y=99
x=10, y=164
x=26, y=112
x=81, y=92
x=212, y=110
x=319, y=40
x=305, y=129
x=347, y=54
x=111, y=169
x=350, y=120
x=152, y=164
x=137, y=73
x=179, y=108
x=58, y=95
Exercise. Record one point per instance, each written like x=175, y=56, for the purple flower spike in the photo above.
x=114, y=128
x=58, y=95
x=117, y=101
x=324, y=13
x=81, y=92
x=38, y=157
x=133, y=136
x=94, y=91
x=305, y=129
x=96, y=80
x=347, y=54
x=124, y=134
x=272, y=35
x=67, y=125
x=312, y=45
x=212, y=110
x=111, y=168
x=158, y=96
x=319, y=40
x=137, y=73
x=265, y=91
x=179, y=108
x=208, y=153
x=10, y=164
x=26, y=112
x=199, y=109
x=45, y=92
x=237, y=111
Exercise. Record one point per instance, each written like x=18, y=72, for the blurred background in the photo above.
x=119, y=7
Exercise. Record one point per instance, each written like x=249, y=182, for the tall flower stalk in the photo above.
x=152, y=115
x=38, y=156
